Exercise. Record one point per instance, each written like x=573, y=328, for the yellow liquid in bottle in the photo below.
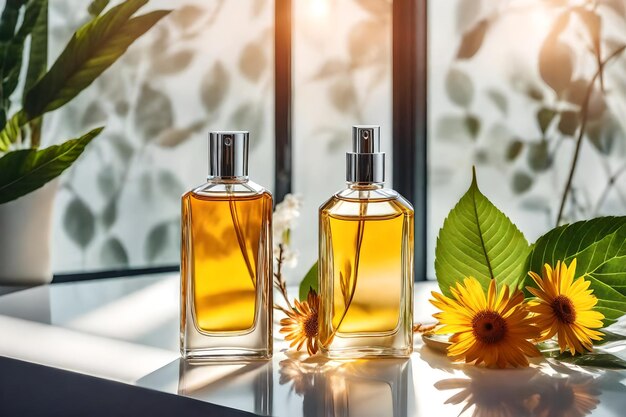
x=367, y=266
x=225, y=244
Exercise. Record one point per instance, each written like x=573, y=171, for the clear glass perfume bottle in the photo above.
x=366, y=260
x=226, y=259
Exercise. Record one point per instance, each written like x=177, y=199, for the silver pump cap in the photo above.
x=366, y=163
x=228, y=154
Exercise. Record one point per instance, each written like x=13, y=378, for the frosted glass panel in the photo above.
x=506, y=80
x=207, y=66
x=342, y=77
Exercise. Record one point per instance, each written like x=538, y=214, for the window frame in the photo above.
x=409, y=118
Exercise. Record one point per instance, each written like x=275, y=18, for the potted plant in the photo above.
x=27, y=171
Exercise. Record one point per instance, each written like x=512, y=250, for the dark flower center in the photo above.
x=563, y=309
x=489, y=327
x=310, y=326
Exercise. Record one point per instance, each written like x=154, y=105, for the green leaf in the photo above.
x=8, y=23
x=26, y=170
x=595, y=359
x=37, y=66
x=12, y=58
x=599, y=245
x=478, y=240
x=79, y=222
x=92, y=49
x=38, y=55
x=12, y=131
x=97, y=6
x=308, y=282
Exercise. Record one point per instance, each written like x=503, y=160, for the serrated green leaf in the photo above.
x=26, y=170
x=308, y=282
x=478, y=240
x=599, y=245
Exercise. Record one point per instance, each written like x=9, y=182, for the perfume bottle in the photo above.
x=366, y=260
x=226, y=259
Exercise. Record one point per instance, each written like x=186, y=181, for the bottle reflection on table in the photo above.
x=232, y=384
x=358, y=388
x=528, y=392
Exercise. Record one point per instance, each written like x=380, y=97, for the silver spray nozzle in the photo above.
x=228, y=154
x=366, y=163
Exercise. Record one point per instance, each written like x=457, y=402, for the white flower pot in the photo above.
x=25, y=227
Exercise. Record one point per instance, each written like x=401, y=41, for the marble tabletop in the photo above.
x=126, y=329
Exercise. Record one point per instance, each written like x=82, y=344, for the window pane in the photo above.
x=208, y=66
x=498, y=102
x=342, y=77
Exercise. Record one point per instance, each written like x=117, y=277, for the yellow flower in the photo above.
x=301, y=324
x=565, y=307
x=494, y=329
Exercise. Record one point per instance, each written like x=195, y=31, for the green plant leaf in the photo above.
x=37, y=66
x=599, y=245
x=594, y=359
x=309, y=281
x=12, y=130
x=97, y=6
x=92, y=49
x=12, y=58
x=26, y=170
x=38, y=55
x=478, y=240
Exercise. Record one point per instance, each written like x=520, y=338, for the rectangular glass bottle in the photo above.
x=226, y=260
x=366, y=262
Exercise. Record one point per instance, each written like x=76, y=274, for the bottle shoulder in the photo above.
x=213, y=190
x=382, y=202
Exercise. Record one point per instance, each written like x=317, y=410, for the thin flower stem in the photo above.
x=281, y=308
x=240, y=237
x=279, y=282
x=584, y=116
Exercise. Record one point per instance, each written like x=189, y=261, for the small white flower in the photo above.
x=285, y=214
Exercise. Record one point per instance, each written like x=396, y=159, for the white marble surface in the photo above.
x=127, y=330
